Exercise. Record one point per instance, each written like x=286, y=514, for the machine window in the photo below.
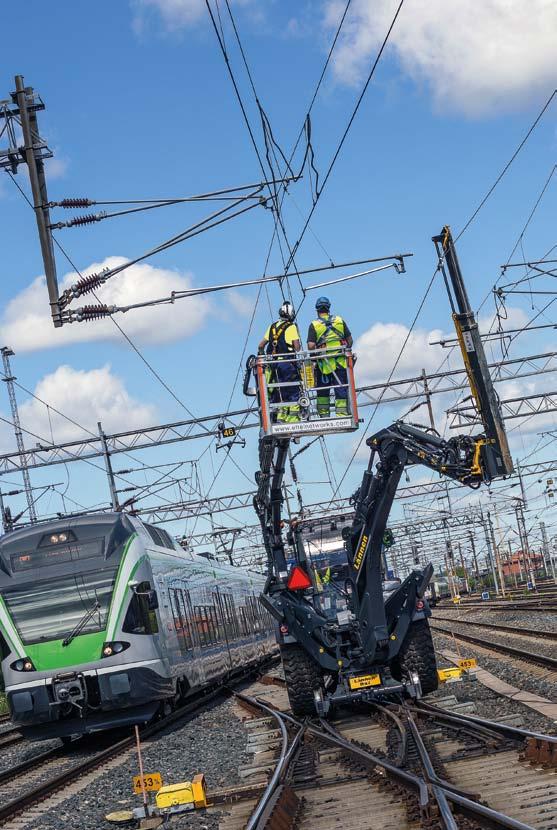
x=139, y=619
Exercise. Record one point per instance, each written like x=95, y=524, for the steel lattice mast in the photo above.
x=9, y=381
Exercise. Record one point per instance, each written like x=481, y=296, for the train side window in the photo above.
x=167, y=538
x=245, y=626
x=139, y=618
x=255, y=613
x=230, y=618
x=207, y=624
x=174, y=594
x=159, y=536
x=187, y=611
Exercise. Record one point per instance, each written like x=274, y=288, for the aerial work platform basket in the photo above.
x=297, y=397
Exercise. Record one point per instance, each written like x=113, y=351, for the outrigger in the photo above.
x=377, y=644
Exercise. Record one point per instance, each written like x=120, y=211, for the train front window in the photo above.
x=51, y=609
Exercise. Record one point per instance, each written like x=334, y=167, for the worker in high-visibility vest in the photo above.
x=281, y=340
x=329, y=332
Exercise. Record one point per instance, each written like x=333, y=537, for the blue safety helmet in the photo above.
x=322, y=304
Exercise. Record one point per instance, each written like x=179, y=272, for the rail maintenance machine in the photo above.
x=380, y=643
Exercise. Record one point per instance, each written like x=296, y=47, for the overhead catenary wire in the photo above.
x=124, y=334
x=348, y=126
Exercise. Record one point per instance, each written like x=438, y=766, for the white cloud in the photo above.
x=175, y=14
x=56, y=167
x=475, y=57
x=25, y=324
x=87, y=397
x=379, y=346
x=241, y=303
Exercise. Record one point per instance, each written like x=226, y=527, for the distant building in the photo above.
x=519, y=562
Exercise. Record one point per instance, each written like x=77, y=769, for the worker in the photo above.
x=328, y=333
x=282, y=339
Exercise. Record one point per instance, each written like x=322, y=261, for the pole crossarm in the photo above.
x=529, y=405
x=43, y=455
x=192, y=509
x=454, y=380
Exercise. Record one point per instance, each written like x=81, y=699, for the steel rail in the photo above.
x=446, y=792
x=438, y=787
x=525, y=632
x=513, y=733
x=528, y=656
x=286, y=755
x=47, y=788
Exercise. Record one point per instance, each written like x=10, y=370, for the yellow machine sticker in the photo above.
x=152, y=783
x=448, y=674
x=470, y=663
x=364, y=681
x=360, y=552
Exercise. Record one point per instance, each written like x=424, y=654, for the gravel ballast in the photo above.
x=212, y=743
x=541, y=620
x=490, y=704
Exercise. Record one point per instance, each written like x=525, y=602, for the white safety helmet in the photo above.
x=286, y=311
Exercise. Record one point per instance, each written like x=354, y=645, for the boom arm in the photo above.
x=375, y=630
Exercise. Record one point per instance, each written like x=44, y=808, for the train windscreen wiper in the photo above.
x=82, y=623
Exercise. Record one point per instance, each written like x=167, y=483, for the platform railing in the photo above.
x=293, y=400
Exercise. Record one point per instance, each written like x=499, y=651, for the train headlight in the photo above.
x=114, y=647
x=23, y=664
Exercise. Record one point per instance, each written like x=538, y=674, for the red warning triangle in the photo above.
x=298, y=579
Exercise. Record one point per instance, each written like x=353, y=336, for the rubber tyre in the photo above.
x=417, y=654
x=303, y=676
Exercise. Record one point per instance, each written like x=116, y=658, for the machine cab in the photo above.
x=296, y=397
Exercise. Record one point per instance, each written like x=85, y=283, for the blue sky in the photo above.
x=139, y=105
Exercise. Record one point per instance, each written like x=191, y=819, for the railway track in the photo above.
x=393, y=767
x=527, y=656
x=9, y=737
x=510, y=629
x=27, y=785
x=503, y=605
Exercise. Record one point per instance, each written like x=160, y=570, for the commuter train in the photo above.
x=105, y=619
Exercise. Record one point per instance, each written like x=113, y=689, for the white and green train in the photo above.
x=104, y=619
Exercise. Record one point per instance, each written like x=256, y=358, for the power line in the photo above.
x=349, y=125
x=508, y=164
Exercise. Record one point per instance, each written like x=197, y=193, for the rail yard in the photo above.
x=278, y=544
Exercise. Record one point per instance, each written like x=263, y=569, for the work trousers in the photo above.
x=331, y=381
x=286, y=371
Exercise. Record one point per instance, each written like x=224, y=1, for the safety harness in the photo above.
x=329, y=327
x=277, y=343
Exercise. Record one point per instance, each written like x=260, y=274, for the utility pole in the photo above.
x=519, y=510
x=546, y=551
x=33, y=148
x=449, y=564
x=474, y=557
x=427, y=394
x=497, y=551
x=490, y=554
x=109, y=471
x=512, y=564
x=9, y=381
x=463, y=566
